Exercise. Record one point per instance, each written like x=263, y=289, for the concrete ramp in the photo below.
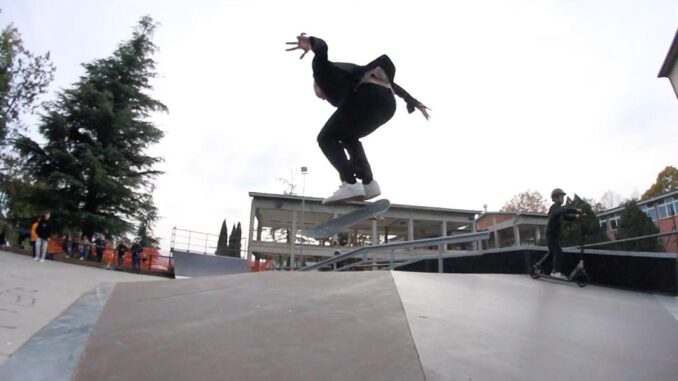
x=192, y=265
x=267, y=326
x=511, y=327
x=377, y=326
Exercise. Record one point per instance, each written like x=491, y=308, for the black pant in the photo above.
x=555, y=251
x=367, y=108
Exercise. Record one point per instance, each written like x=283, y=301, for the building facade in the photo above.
x=512, y=228
x=276, y=222
x=662, y=211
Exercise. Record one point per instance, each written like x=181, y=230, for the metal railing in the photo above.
x=195, y=242
x=658, y=235
x=365, y=250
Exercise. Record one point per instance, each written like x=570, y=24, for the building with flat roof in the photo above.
x=513, y=228
x=661, y=210
x=276, y=222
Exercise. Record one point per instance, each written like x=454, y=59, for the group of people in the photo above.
x=41, y=231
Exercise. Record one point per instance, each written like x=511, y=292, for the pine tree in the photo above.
x=237, y=241
x=222, y=244
x=93, y=172
x=147, y=220
x=231, y=244
x=588, y=222
x=635, y=223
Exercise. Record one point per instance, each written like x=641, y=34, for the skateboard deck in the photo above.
x=332, y=227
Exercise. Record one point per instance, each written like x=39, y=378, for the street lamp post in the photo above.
x=304, y=171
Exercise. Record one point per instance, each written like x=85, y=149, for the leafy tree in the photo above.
x=93, y=172
x=528, y=201
x=667, y=180
x=610, y=200
x=222, y=244
x=588, y=222
x=23, y=78
x=635, y=223
x=147, y=220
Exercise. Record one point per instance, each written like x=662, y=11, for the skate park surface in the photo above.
x=380, y=325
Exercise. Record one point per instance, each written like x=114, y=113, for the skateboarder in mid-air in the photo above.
x=363, y=96
x=557, y=213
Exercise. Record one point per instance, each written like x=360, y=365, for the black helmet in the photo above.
x=557, y=192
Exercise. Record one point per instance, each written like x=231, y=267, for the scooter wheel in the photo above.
x=534, y=272
x=583, y=279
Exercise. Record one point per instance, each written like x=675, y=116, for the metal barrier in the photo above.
x=190, y=241
x=658, y=235
x=461, y=238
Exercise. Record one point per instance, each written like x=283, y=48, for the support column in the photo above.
x=516, y=235
x=537, y=235
x=250, y=234
x=336, y=236
x=375, y=232
x=410, y=230
x=477, y=245
x=292, y=239
x=440, y=260
x=496, y=239
x=443, y=233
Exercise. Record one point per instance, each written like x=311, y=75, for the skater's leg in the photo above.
x=329, y=140
x=358, y=160
x=368, y=107
x=554, y=247
x=371, y=106
x=544, y=259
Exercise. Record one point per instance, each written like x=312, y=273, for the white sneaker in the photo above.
x=35, y=258
x=42, y=260
x=558, y=275
x=372, y=190
x=346, y=192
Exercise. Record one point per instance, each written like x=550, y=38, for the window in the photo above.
x=603, y=225
x=662, y=211
x=613, y=224
x=671, y=211
x=652, y=213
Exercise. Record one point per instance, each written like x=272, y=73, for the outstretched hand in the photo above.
x=303, y=43
x=424, y=110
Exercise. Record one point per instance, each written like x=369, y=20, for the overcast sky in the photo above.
x=525, y=95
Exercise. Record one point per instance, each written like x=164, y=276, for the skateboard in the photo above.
x=332, y=227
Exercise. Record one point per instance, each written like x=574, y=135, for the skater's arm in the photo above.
x=411, y=102
x=567, y=213
x=319, y=48
x=572, y=213
x=306, y=43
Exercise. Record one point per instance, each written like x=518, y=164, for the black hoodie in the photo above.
x=338, y=79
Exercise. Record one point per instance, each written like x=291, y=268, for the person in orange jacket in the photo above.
x=34, y=234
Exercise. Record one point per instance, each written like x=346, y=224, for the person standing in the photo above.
x=44, y=232
x=34, y=236
x=136, y=250
x=121, y=249
x=85, y=248
x=100, y=246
